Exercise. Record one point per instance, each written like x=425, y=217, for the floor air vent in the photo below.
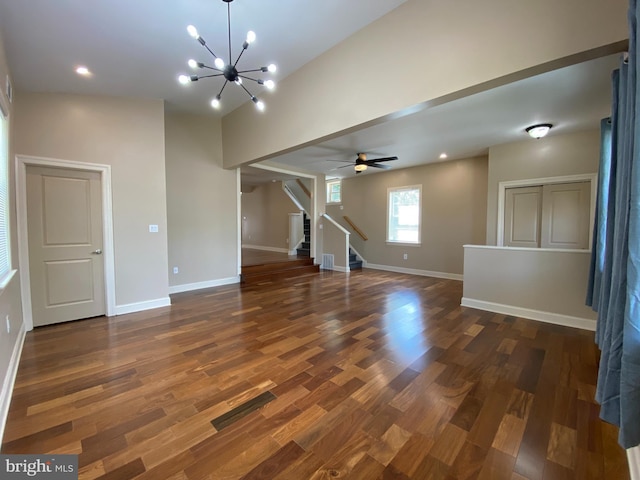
x=327, y=261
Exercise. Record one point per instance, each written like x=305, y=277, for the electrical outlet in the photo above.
x=405, y=256
x=176, y=270
x=153, y=228
x=8, y=325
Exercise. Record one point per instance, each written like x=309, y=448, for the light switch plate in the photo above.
x=153, y=228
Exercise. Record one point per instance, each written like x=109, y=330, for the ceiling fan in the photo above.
x=361, y=163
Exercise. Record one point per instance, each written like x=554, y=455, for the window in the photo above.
x=334, y=191
x=403, y=205
x=5, y=256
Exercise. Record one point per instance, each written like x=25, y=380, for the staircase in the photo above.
x=305, y=247
x=354, y=263
x=268, y=272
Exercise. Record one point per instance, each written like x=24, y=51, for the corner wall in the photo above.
x=10, y=297
x=202, y=205
x=453, y=214
x=265, y=217
x=443, y=49
x=551, y=156
x=127, y=134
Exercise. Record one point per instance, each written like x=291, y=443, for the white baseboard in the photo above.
x=414, y=271
x=266, y=249
x=188, y=287
x=337, y=269
x=10, y=379
x=633, y=455
x=541, y=316
x=141, y=306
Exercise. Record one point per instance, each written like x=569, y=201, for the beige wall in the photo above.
x=265, y=216
x=445, y=47
x=453, y=213
x=10, y=297
x=127, y=134
x=202, y=200
x=553, y=288
x=552, y=156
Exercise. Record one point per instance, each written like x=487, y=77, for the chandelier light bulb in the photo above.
x=227, y=69
x=193, y=31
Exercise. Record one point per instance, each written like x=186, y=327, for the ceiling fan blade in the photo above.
x=384, y=159
x=384, y=167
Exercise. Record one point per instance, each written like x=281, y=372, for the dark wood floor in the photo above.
x=251, y=256
x=368, y=375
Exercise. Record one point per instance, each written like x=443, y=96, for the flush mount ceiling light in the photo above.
x=227, y=69
x=539, y=131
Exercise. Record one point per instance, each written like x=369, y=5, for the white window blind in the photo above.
x=5, y=252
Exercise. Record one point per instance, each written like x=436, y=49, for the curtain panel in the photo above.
x=614, y=283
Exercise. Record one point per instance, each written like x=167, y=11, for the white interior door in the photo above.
x=66, y=266
x=522, y=216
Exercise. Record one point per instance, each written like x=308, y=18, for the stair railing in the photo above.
x=355, y=228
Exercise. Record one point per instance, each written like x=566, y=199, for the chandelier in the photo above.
x=228, y=70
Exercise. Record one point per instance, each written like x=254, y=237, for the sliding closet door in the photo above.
x=522, y=216
x=565, y=215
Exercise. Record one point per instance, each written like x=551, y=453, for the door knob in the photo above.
x=97, y=252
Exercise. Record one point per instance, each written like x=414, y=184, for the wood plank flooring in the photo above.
x=368, y=375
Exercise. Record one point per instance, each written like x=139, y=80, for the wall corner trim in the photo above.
x=10, y=378
x=539, y=315
x=141, y=306
x=633, y=455
x=414, y=271
x=188, y=287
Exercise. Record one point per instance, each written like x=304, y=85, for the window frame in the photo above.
x=328, y=183
x=390, y=191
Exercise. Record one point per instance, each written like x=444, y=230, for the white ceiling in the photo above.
x=572, y=99
x=138, y=48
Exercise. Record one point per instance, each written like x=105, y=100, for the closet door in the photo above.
x=565, y=215
x=522, y=222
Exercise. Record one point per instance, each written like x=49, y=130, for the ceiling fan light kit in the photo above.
x=361, y=163
x=538, y=131
x=228, y=70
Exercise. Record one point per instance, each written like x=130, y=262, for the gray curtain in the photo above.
x=614, y=283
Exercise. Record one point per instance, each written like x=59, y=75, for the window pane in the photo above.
x=334, y=191
x=404, y=215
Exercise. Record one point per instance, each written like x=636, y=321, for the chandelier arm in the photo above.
x=210, y=51
x=248, y=92
x=229, y=29
x=209, y=76
x=239, y=56
x=248, y=78
x=222, y=89
x=252, y=70
x=212, y=68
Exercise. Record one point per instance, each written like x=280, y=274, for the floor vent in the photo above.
x=243, y=410
x=327, y=261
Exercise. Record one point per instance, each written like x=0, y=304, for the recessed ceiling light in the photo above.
x=84, y=71
x=443, y=155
